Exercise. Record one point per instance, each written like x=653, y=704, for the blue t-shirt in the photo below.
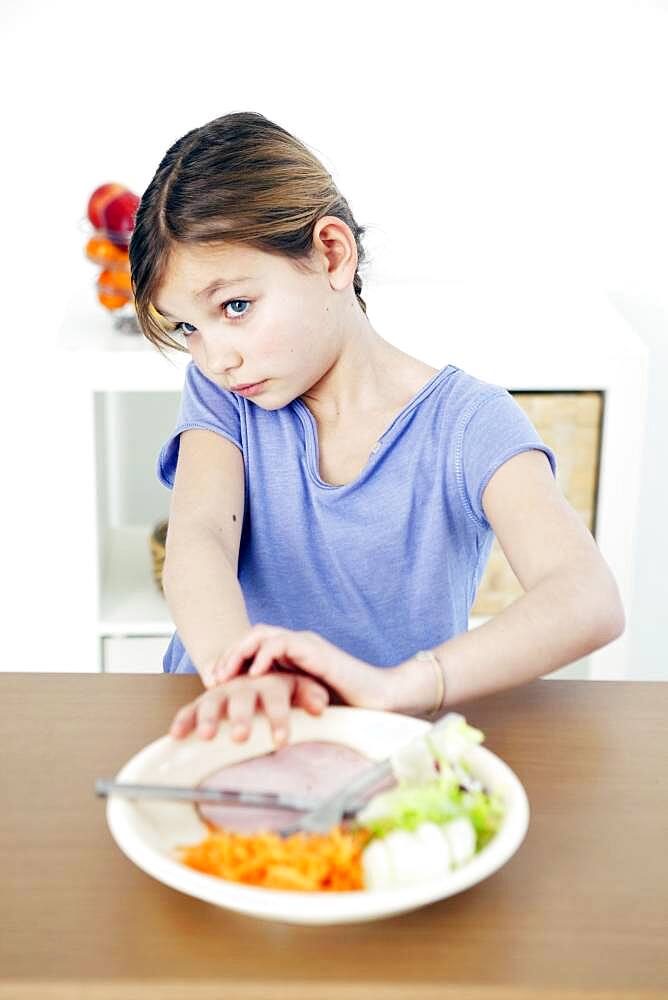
x=387, y=564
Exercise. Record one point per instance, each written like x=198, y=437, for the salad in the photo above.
x=434, y=820
x=437, y=816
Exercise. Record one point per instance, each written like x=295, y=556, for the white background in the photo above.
x=517, y=140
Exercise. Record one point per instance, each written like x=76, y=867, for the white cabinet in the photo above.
x=132, y=654
x=118, y=404
x=130, y=427
x=120, y=398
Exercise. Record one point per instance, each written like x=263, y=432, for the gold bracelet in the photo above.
x=430, y=656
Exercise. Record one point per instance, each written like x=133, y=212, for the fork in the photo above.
x=332, y=810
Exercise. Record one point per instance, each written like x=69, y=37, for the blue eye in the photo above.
x=237, y=301
x=180, y=327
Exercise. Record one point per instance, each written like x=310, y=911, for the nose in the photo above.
x=220, y=356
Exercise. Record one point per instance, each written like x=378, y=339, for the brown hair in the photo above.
x=240, y=179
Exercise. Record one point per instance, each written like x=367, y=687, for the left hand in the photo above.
x=238, y=701
x=359, y=683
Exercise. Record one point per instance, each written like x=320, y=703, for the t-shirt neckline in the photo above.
x=312, y=445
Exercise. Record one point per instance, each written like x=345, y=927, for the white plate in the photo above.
x=148, y=831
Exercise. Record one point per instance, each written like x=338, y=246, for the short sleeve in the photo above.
x=204, y=405
x=497, y=429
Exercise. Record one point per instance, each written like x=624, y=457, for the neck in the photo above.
x=368, y=375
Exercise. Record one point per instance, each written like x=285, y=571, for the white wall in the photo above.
x=482, y=138
x=648, y=640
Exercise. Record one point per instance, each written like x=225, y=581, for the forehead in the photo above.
x=187, y=264
x=191, y=270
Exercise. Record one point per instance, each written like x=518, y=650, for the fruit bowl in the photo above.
x=107, y=228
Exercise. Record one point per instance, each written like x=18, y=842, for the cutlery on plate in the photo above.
x=330, y=812
x=228, y=796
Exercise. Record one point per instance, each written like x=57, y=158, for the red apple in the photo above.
x=99, y=199
x=118, y=217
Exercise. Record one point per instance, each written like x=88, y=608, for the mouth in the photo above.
x=248, y=388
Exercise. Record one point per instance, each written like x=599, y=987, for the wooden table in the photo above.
x=581, y=910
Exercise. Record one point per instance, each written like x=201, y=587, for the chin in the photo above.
x=270, y=406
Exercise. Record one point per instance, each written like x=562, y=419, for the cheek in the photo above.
x=286, y=326
x=196, y=352
x=289, y=333
x=280, y=341
x=194, y=347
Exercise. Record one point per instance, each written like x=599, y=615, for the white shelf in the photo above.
x=131, y=604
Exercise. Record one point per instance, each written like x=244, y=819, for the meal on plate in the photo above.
x=433, y=820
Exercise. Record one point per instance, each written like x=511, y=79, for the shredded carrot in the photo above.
x=307, y=862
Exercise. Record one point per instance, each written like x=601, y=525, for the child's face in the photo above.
x=278, y=326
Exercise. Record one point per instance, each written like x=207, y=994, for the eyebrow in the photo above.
x=212, y=287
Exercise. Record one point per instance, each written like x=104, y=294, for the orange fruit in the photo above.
x=114, y=288
x=102, y=251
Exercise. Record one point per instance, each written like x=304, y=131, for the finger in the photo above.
x=276, y=692
x=310, y=695
x=183, y=722
x=244, y=649
x=210, y=708
x=305, y=650
x=240, y=708
x=271, y=650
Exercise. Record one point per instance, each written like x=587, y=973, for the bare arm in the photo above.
x=206, y=600
x=204, y=596
x=571, y=606
x=202, y=550
x=563, y=618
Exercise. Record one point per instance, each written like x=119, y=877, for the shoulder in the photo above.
x=489, y=428
x=463, y=394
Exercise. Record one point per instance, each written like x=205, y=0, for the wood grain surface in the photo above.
x=581, y=910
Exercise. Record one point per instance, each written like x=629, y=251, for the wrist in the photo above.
x=429, y=656
x=418, y=686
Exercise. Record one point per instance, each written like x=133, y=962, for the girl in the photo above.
x=334, y=499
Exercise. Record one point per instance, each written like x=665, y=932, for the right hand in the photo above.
x=237, y=699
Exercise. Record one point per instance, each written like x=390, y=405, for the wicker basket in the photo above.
x=158, y=540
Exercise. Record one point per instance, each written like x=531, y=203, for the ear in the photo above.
x=334, y=241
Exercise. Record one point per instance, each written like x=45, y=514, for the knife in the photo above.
x=228, y=796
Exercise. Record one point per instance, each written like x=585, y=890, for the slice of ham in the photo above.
x=315, y=769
